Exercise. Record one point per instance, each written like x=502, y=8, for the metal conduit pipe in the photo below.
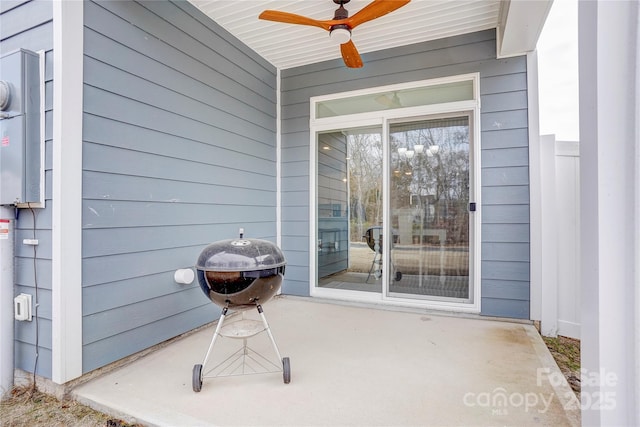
x=6, y=299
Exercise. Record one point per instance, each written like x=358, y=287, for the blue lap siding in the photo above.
x=29, y=25
x=179, y=151
x=504, y=147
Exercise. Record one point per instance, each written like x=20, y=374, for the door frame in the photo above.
x=382, y=119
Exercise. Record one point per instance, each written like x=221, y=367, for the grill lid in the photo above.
x=240, y=255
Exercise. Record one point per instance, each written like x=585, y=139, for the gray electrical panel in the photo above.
x=20, y=138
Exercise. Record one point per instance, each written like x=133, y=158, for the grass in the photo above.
x=29, y=407
x=566, y=352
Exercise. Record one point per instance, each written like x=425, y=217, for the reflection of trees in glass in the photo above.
x=434, y=182
x=365, y=182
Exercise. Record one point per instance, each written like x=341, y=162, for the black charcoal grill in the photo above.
x=241, y=274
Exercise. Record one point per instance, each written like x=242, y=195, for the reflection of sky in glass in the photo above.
x=426, y=95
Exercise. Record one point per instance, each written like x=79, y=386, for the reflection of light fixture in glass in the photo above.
x=419, y=148
x=389, y=102
x=429, y=153
x=402, y=151
x=409, y=154
x=344, y=179
x=408, y=173
x=434, y=149
x=326, y=147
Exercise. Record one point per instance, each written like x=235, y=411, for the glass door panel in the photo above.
x=429, y=216
x=349, y=208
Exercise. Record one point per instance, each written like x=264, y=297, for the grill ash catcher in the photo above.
x=241, y=274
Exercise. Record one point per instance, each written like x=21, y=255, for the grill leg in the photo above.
x=215, y=335
x=375, y=263
x=266, y=328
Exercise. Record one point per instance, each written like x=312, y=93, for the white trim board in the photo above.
x=535, y=194
x=66, y=328
x=278, y=161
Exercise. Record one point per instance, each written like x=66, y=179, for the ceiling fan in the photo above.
x=341, y=25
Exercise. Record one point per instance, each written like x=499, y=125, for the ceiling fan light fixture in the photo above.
x=340, y=34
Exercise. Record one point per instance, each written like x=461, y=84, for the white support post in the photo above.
x=66, y=327
x=609, y=48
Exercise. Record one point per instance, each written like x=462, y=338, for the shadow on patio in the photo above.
x=351, y=365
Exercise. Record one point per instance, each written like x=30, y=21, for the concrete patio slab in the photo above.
x=350, y=366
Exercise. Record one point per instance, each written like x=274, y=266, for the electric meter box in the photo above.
x=20, y=138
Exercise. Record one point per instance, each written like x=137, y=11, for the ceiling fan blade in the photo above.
x=373, y=10
x=350, y=55
x=292, y=18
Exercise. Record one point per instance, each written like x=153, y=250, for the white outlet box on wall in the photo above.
x=22, y=307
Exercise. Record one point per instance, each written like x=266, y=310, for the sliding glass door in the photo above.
x=428, y=198
x=349, y=209
x=429, y=205
x=394, y=188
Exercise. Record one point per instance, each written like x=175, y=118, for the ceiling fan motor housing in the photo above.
x=341, y=12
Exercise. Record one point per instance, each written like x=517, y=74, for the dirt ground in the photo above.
x=27, y=407
x=566, y=352
x=32, y=408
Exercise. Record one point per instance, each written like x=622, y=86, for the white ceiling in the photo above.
x=286, y=45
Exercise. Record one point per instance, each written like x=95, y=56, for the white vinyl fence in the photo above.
x=560, y=220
